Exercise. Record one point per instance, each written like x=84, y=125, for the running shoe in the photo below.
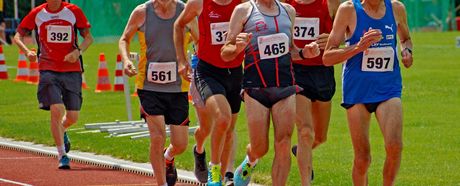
x=229, y=179
x=243, y=174
x=66, y=142
x=201, y=168
x=214, y=177
x=64, y=162
x=171, y=172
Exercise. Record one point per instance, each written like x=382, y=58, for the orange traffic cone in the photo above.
x=23, y=71
x=33, y=72
x=3, y=70
x=83, y=82
x=103, y=82
x=118, y=81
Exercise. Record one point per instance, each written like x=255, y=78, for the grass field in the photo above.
x=431, y=98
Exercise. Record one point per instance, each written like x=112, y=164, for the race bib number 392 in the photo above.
x=306, y=28
x=378, y=60
x=164, y=72
x=273, y=46
x=59, y=34
x=218, y=33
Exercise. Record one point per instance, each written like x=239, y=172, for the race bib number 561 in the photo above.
x=164, y=72
x=273, y=46
x=59, y=34
x=378, y=60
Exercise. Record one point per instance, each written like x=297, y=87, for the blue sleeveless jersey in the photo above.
x=373, y=75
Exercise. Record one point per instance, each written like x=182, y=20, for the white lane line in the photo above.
x=13, y=182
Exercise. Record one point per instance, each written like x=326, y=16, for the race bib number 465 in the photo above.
x=164, y=72
x=59, y=34
x=306, y=28
x=378, y=60
x=218, y=33
x=273, y=46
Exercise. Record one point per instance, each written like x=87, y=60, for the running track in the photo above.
x=21, y=168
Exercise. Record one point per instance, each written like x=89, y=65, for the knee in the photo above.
x=259, y=150
x=223, y=121
x=320, y=139
x=71, y=119
x=362, y=162
x=283, y=142
x=394, y=149
x=157, y=137
x=306, y=134
x=179, y=148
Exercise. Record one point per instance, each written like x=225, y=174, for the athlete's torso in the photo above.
x=267, y=57
x=213, y=24
x=56, y=35
x=311, y=21
x=158, y=69
x=373, y=75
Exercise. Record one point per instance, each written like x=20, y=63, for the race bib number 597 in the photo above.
x=273, y=46
x=378, y=60
x=164, y=72
x=59, y=34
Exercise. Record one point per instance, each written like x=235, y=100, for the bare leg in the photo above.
x=283, y=114
x=156, y=126
x=305, y=138
x=389, y=116
x=321, y=114
x=358, y=122
x=70, y=118
x=57, y=130
x=179, y=139
x=228, y=146
x=202, y=132
x=218, y=107
x=258, y=126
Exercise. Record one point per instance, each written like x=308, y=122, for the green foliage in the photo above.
x=430, y=99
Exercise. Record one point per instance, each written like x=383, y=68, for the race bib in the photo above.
x=306, y=28
x=273, y=46
x=378, y=60
x=164, y=72
x=59, y=34
x=218, y=33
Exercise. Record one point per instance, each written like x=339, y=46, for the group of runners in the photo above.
x=275, y=56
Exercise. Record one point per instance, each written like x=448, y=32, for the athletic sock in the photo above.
x=254, y=163
x=168, y=154
x=212, y=164
x=61, y=151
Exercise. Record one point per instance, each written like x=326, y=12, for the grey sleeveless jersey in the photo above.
x=160, y=49
x=261, y=71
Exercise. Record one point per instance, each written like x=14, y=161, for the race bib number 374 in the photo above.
x=59, y=34
x=378, y=60
x=273, y=46
x=164, y=72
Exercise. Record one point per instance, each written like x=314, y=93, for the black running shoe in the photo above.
x=201, y=168
x=66, y=142
x=229, y=179
x=171, y=173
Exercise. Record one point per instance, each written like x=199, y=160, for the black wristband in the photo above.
x=301, y=54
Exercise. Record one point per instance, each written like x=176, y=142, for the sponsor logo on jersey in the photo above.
x=214, y=15
x=389, y=27
x=390, y=36
x=261, y=26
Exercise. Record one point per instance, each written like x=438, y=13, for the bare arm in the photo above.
x=333, y=53
x=19, y=40
x=136, y=19
x=87, y=39
x=188, y=16
x=403, y=33
x=236, y=41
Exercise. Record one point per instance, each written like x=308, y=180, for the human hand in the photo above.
x=368, y=39
x=322, y=40
x=73, y=56
x=311, y=50
x=129, y=68
x=407, y=58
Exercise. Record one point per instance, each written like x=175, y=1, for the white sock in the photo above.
x=165, y=184
x=251, y=163
x=61, y=151
x=168, y=154
x=212, y=164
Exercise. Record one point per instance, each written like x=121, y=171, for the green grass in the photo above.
x=431, y=98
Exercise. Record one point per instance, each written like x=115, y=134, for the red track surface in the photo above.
x=33, y=169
